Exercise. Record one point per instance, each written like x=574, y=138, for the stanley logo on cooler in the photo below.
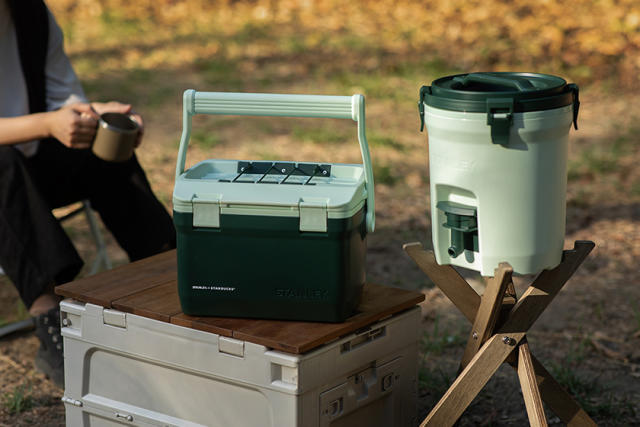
x=304, y=293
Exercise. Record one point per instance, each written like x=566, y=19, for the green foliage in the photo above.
x=17, y=400
x=523, y=36
x=636, y=315
x=21, y=310
x=221, y=73
x=382, y=140
x=436, y=381
x=595, y=399
x=205, y=139
x=601, y=159
x=323, y=134
x=436, y=341
x=383, y=174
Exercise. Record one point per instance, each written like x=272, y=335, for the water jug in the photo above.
x=498, y=168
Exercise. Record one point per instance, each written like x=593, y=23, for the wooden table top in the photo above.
x=149, y=288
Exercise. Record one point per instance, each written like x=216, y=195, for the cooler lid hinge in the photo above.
x=313, y=215
x=206, y=210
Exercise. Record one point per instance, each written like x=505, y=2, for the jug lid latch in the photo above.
x=424, y=90
x=576, y=103
x=500, y=118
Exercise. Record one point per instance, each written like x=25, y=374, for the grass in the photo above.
x=205, y=139
x=636, y=315
x=383, y=174
x=434, y=343
x=598, y=309
x=376, y=139
x=18, y=400
x=597, y=400
x=436, y=381
x=598, y=160
x=323, y=134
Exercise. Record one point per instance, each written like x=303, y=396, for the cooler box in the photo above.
x=272, y=239
x=125, y=369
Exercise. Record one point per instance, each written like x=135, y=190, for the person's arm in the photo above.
x=74, y=125
x=63, y=85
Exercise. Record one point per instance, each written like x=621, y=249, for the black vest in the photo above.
x=31, y=23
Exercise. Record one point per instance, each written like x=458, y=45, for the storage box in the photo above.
x=126, y=369
x=272, y=239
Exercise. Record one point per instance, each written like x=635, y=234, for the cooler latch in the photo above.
x=313, y=215
x=500, y=119
x=206, y=210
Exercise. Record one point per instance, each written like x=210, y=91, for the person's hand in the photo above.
x=73, y=125
x=117, y=107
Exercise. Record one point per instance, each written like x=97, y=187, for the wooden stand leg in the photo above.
x=529, y=384
x=560, y=402
x=482, y=360
x=488, y=312
x=472, y=379
x=447, y=279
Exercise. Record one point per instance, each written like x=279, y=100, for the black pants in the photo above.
x=35, y=252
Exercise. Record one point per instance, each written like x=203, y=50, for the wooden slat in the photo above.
x=471, y=380
x=557, y=398
x=300, y=337
x=529, y=385
x=159, y=303
x=216, y=325
x=513, y=325
x=447, y=279
x=148, y=288
x=488, y=312
x=103, y=288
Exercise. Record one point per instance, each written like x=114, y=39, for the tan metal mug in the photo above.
x=115, y=137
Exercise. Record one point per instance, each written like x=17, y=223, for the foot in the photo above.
x=50, y=359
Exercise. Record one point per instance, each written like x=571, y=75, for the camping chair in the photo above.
x=101, y=260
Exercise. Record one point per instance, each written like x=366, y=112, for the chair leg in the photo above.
x=102, y=258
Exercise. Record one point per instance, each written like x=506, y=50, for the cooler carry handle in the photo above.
x=258, y=104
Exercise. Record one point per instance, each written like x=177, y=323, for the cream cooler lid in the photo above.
x=341, y=191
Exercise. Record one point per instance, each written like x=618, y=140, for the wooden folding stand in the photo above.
x=500, y=323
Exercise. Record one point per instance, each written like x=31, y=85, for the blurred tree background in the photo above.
x=585, y=40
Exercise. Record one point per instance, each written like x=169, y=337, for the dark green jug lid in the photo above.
x=498, y=92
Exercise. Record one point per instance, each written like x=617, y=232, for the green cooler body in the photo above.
x=272, y=239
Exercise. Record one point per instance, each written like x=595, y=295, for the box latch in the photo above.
x=231, y=346
x=114, y=318
x=313, y=215
x=206, y=210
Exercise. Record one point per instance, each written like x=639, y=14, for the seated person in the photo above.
x=46, y=128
